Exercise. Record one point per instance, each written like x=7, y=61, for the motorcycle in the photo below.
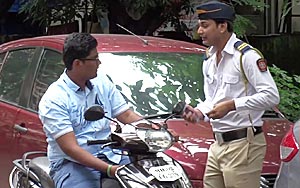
x=149, y=166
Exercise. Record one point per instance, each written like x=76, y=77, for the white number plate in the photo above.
x=165, y=173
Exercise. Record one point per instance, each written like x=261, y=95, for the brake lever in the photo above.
x=109, y=144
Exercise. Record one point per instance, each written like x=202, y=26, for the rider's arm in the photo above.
x=69, y=146
x=128, y=116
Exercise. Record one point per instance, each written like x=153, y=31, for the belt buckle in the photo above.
x=219, y=138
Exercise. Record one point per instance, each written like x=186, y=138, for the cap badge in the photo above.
x=201, y=11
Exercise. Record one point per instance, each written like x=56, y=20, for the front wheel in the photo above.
x=18, y=179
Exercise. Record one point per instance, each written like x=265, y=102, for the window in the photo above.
x=1, y=60
x=51, y=67
x=13, y=74
x=160, y=79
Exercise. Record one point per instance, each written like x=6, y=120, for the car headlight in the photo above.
x=157, y=140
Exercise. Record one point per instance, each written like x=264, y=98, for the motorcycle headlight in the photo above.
x=157, y=140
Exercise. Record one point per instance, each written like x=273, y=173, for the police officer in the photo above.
x=238, y=89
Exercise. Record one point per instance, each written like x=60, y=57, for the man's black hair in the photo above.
x=229, y=24
x=77, y=46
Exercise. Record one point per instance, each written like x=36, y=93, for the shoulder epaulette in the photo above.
x=242, y=46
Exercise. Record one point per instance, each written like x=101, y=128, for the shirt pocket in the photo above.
x=231, y=85
x=211, y=84
x=77, y=118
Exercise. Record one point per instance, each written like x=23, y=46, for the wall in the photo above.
x=296, y=20
x=281, y=50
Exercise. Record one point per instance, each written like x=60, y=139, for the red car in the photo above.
x=290, y=159
x=152, y=73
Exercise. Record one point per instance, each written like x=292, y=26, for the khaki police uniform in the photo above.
x=235, y=159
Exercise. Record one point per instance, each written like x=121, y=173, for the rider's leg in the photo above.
x=70, y=174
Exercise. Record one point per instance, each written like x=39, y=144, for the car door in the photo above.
x=27, y=123
x=14, y=68
x=25, y=76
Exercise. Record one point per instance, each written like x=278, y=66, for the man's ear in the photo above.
x=223, y=27
x=77, y=63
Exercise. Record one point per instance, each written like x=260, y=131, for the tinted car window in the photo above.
x=153, y=82
x=50, y=69
x=13, y=73
x=1, y=59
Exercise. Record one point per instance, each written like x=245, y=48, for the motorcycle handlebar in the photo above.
x=94, y=142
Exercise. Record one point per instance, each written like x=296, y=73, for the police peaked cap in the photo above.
x=215, y=10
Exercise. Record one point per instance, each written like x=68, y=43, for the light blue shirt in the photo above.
x=61, y=111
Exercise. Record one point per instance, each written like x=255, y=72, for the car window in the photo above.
x=153, y=82
x=1, y=59
x=13, y=73
x=50, y=69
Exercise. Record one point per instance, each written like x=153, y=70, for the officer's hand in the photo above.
x=192, y=115
x=221, y=109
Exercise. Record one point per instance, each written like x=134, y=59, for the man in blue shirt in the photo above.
x=74, y=163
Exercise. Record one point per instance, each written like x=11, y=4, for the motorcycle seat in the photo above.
x=41, y=168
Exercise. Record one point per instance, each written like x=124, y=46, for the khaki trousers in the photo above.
x=236, y=164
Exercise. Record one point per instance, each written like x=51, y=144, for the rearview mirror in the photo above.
x=179, y=108
x=94, y=113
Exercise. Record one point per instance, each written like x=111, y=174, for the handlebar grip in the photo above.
x=94, y=142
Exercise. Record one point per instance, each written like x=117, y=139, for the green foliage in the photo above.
x=45, y=12
x=287, y=6
x=241, y=24
x=289, y=90
x=36, y=11
x=256, y=4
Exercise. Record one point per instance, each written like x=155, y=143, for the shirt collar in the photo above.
x=73, y=86
x=229, y=47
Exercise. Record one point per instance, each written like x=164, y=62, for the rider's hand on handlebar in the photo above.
x=151, y=125
x=113, y=170
x=154, y=126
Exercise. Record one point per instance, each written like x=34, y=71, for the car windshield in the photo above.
x=153, y=82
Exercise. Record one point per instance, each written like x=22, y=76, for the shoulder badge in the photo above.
x=244, y=47
x=262, y=64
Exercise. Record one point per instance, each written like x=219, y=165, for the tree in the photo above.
x=5, y=5
x=286, y=11
x=135, y=13
x=142, y=17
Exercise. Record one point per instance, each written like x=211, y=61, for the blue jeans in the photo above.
x=68, y=174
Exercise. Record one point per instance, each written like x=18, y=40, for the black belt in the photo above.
x=238, y=134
